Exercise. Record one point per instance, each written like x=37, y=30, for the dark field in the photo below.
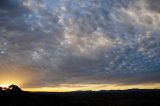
x=88, y=98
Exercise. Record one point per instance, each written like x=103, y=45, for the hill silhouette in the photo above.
x=14, y=96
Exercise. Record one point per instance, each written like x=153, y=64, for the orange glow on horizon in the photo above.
x=5, y=85
x=93, y=87
x=22, y=77
x=16, y=75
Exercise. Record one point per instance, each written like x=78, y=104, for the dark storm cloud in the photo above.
x=82, y=41
x=11, y=10
x=8, y=4
x=154, y=5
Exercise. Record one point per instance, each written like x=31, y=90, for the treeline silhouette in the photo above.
x=14, y=96
x=10, y=89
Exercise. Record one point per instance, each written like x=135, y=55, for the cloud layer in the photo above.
x=82, y=41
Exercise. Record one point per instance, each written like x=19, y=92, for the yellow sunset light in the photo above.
x=5, y=85
x=15, y=74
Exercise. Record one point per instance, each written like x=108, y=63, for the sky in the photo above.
x=65, y=45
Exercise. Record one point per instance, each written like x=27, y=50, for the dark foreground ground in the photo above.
x=87, y=98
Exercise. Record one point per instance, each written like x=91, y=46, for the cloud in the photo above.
x=154, y=5
x=90, y=41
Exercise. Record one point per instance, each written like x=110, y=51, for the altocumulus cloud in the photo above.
x=82, y=41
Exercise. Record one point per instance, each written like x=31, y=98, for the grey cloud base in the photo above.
x=82, y=41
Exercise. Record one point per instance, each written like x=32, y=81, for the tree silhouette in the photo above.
x=14, y=88
x=1, y=89
x=11, y=89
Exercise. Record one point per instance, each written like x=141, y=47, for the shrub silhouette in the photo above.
x=14, y=88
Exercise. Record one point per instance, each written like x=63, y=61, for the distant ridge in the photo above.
x=131, y=97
